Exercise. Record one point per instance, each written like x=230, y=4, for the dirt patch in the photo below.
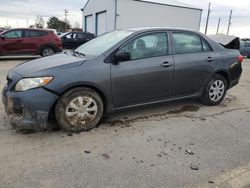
x=126, y=122
x=26, y=131
x=189, y=108
x=105, y=156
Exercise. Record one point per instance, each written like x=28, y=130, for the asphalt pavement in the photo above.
x=177, y=144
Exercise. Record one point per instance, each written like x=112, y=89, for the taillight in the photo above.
x=240, y=58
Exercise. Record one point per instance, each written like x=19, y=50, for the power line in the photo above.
x=218, y=27
x=229, y=22
x=208, y=14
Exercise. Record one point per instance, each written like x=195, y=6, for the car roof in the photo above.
x=144, y=29
x=31, y=29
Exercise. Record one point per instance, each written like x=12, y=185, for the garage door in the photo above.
x=101, y=23
x=89, y=24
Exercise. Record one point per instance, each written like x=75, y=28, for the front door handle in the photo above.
x=166, y=64
x=209, y=59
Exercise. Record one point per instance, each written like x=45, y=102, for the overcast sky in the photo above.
x=17, y=12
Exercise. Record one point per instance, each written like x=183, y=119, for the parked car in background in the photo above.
x=72, y=40
x=245, y=48
x=59, y=34
x=246, y=39
x=29, y=41
x=1, y=30
x=120, y=70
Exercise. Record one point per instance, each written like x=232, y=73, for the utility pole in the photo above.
x=229, y=22
x=208, y=14
x=218, y=27
x=66, y=12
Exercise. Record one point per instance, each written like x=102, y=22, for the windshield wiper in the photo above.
x=79, y=53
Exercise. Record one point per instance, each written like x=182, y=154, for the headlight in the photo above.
x=31, y=83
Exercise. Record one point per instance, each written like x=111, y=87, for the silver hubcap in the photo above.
x=48, y=52
x=216, y=90
x=81, y=110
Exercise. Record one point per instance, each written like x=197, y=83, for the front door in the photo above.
x=69, y=41
x=12, y=42
x=148, y=76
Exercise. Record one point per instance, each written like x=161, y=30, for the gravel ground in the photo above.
x=177, y=144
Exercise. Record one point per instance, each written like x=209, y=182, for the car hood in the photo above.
x=41, y=65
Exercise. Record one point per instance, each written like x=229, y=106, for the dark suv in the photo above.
x=29, y=41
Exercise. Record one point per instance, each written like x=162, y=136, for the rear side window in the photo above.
x=189, y=43
x=71, y=36
x=31, y=34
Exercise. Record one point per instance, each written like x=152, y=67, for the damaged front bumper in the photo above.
x=28, y=109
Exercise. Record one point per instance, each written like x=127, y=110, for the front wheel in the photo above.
x=215, y=91
x=79, y=109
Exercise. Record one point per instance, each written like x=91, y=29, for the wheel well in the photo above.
x=225, y=75
x=98, y=91
x=45, y=46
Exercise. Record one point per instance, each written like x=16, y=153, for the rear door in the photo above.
x=148, y=76
x=12, y=43
x=33, y=39
x=194, y=62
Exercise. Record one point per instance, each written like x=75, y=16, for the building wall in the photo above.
x=94, y=6
x=141, y=14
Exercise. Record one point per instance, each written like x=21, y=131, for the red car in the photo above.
x=29, y=41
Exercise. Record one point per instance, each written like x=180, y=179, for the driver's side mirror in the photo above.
x=2, y=37
x=122, y=56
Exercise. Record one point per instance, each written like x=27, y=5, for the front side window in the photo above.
x=146, y=46
x=189, y=43
x=13, y=34
x=71, y=36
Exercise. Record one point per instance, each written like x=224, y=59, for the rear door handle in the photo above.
x=209, y=59
x=166, y=64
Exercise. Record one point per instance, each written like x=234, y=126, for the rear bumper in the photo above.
x=29, y=109
x=235, y=74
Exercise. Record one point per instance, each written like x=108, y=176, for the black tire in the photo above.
x=47, y=51
x=206, y=98
x=248, y=57
x=63, y=105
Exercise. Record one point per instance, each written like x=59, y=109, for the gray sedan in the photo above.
x=119, y=70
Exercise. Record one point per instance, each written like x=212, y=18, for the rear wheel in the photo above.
x=79, y=109
x=215, y=91
x=47, y=51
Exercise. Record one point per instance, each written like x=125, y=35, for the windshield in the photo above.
x=102, y=43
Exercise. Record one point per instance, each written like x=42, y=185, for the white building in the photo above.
x=100, y=16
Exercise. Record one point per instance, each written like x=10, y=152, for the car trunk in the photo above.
x=229, y=42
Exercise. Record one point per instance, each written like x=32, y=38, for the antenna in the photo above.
x=66, y=12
